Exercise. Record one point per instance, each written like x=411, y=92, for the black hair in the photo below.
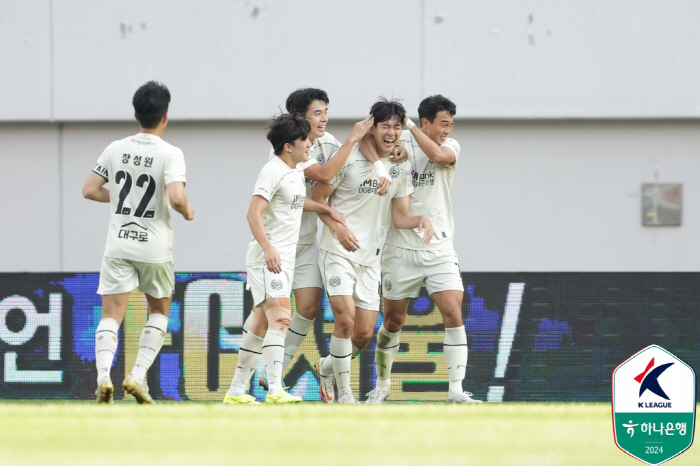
x=298, y=101
x=150, y=103
x=285, y=129
x=384, y=110
x=430, y=106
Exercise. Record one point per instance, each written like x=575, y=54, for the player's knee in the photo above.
x=452, y=318
x=344, y=323
x=278, y=318
x=394, y=322
x=362, y=340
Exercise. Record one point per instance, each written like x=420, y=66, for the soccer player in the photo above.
x=408, y=261
x=145, y=176
x=312, y=104
x=274, y=217
x=349, y=254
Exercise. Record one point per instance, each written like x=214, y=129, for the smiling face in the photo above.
x=440, y=128
x=386, y=135
x=317, y=116
x=299, y=150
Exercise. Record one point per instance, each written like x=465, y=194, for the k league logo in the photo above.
x=653, y=401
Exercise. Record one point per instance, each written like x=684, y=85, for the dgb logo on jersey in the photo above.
x=653, y=401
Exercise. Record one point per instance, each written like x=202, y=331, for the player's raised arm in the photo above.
x=436, y=153
x=178, y=199
x=258, y=204
x=94, y=189
x=402, y=219
x=324, y=173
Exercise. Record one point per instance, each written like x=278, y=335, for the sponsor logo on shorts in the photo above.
x=335, y=281
x=387, y=284
x=276, y=284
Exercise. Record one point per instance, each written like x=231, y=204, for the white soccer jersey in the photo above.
x=137, y=169
x=432, y=183
x=322, y=149
x=366, y=214
x=284, y=189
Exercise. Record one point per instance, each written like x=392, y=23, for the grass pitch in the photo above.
x=189, y=433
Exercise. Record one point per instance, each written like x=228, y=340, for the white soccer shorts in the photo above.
x=306, y=272
x=405, y=270
x=343, y=277
x=264, y=284
x=124, y=275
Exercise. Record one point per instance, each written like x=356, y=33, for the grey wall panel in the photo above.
x=554, y=59
x=536, y=196
x=566, y=196
x=25, y=60
x=31, y=202
x=230, y=60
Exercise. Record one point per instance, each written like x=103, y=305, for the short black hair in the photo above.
x=298, y=101
x=150, y=103
x=430, y=106
x=287, y=128
x=385, y=109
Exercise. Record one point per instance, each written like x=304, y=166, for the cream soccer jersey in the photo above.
x=321, y=150
x=138, y=168
x=432, y=184
x=366, y=214
x=284, y=189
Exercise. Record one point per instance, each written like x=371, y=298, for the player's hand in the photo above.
x=361, y=128
x=398, y=154
x=336, y=216
x=272, y=260
x=189, y=214
x=347, y=239
x=427, y=228
x=383, y=187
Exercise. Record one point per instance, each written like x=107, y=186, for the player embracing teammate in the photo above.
x=408, y=261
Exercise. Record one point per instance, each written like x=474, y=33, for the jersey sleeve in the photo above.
x=175, y=168
x=101, y=166
x=405, y=184
x=454, y=145
x=266, y=183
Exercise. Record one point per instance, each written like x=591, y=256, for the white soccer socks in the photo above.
x=387, y=348
x=106, y=339
x=341, y=353
x=273, y=352
x=456, y=352
x=249, y=355
x=297, y=331
x=150, y=343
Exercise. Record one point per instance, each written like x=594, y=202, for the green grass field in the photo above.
x=189, y=433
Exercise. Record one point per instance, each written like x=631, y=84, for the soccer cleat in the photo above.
x=464, y=397
x=377, y=396
x=281, y=397
x=105, y=392
x=244, y=399
x=346, y=398
x=138, y=390
x=262, y=381
x=325, y=382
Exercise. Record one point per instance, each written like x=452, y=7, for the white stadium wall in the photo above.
x=564, y=109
